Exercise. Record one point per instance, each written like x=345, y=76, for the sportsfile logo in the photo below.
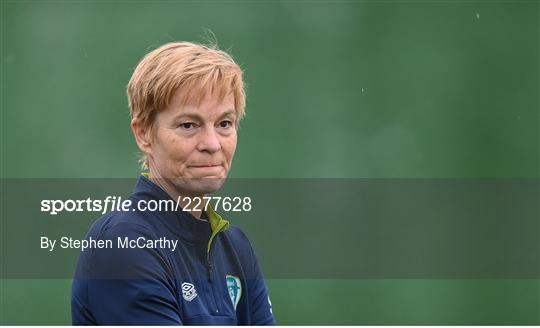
x=117, y=203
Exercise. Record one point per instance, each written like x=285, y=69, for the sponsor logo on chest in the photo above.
x=188, y=291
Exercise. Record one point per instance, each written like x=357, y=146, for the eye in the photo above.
x=187, y=125
x=225, y=124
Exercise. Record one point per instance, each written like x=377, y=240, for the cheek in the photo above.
x=230, y=146
x=175, y=149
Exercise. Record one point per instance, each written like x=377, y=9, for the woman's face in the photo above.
x=193, y=146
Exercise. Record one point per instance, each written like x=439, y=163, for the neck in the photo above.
x=189, y=202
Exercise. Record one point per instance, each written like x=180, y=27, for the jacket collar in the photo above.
x=181, y=223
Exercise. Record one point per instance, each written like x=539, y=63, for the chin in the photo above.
x=203, y=185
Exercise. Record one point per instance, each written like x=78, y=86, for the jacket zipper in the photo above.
x=210, y=280
x=209, y=267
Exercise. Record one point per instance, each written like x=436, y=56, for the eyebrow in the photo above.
x=196, y=116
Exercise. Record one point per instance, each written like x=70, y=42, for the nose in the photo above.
x=209, y=141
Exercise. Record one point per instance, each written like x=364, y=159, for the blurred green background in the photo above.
x=363, y=89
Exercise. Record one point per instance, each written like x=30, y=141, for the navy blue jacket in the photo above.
x=212, y=278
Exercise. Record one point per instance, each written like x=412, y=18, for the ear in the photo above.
x=142, y=136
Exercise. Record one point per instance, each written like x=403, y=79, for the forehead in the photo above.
x=206, y=105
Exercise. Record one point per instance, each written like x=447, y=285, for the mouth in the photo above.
x=206, y=166
x=207, y=170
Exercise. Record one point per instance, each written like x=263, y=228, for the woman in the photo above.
x=186, y=101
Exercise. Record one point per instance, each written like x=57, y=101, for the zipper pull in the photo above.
x=209, y=270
